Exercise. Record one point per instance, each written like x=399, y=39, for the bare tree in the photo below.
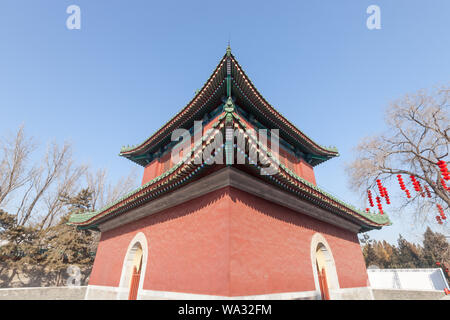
x=104, y=193
x=14, y=154
x=417, y=136
x=34, y=208
x=56, y=162
x=35, y=186
x=68, y=183
x=29, y=186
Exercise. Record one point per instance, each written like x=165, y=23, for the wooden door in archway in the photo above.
x=323, y=283
x=134, y=285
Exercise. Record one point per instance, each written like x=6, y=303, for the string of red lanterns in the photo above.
x=380, y=188
x=441, y=211
x=402, y=186
x=416, y=184
x=444, y=185
x=444, y=171
x=369, y=195
x=380, y=206
x=417, y=187
x=386, y=196
x=427, y=191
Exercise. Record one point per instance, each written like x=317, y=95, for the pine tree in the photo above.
x=436, y=251
x=369, y=253
x=67, y=245
x=391, y=252
x=409, y=255
x=21, y=247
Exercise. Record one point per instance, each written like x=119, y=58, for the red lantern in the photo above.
x=417, y=187
x=444, y=171
x=400, y=182
x=369, y=195
x=441, y=211
x=444, y=185
x=408, y=195
x=416, y=183
x=427, y=191
x=380, y=207
x=386, y=195
x=380, y=187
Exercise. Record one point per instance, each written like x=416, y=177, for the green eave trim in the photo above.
x=379, y=220
x=331, y=149
x=231, y=84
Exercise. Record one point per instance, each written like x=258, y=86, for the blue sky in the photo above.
x=134, y=64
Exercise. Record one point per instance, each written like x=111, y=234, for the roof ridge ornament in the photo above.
x=228, y=49
x=229, y=105
x=229, y=132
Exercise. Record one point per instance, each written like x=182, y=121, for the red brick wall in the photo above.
x=159, y=166
x=271, y=249
x=287, y=158
x=151, y=171
x=230, y=243
x=188, y=248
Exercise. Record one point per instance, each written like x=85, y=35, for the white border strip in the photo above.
x=155, y=294
x=169, y=295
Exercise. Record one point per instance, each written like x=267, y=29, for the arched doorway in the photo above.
x=133, y=269
x=324, y=269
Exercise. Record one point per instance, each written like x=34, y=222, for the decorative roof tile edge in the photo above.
x=330, y=148
x=333, y=150
x=83, y=217
x=377, y=218
x=127, y=149
x=380, y=220
x=135, y=148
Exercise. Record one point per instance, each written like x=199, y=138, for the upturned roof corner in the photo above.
x=230, y=81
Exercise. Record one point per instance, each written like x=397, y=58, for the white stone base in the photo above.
x=115, y=293
x=361, y=293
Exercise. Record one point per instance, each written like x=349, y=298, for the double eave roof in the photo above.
x=240, y=83
x=186, y=170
